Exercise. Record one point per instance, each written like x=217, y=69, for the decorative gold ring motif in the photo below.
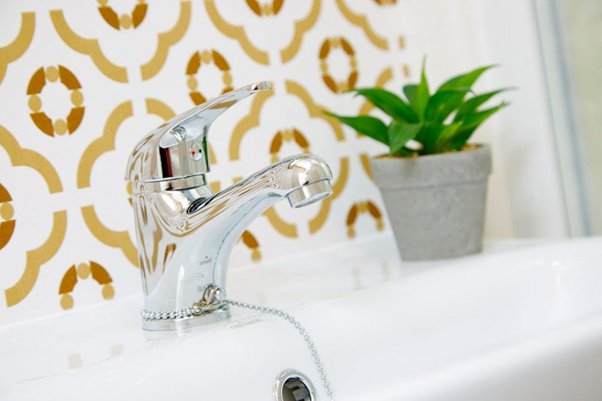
x=349, y=83
x=287, y=135
x=7, y=224
x=124, y=21
x=194, y=65
x=360, y=208
x=39, y=118
x=251, y=242
x=82, y=272
x=267, y=9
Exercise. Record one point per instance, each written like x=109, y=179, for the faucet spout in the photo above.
x=186, y=237
x=185, y=232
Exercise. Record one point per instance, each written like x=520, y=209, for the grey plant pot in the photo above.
x=436, y=203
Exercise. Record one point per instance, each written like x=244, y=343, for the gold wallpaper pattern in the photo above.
x=82, y=82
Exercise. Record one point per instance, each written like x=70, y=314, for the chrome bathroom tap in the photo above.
x=185, y=232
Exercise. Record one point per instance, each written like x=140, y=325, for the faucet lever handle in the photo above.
x=212, y=109
x=179, y=148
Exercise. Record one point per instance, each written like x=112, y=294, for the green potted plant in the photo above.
x=434, y=184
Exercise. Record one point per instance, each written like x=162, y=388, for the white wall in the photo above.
x=526, y=197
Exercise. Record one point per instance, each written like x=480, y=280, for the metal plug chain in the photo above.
x=210, y=301
x=300, y=329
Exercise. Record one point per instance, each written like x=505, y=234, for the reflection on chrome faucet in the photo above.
x=186, y=232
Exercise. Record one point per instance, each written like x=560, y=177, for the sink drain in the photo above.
x=291, y=385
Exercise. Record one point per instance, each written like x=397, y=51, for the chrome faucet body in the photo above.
x=185, y=232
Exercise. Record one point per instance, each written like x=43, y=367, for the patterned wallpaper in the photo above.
x=82, y=81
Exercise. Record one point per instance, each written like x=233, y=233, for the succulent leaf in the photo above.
x=464, y=80
x=422, y=95
x=366, y=125
x=443, y=103
x=399, y=134
x=476, y=118
x=410, y=91
x=388, y=102
x=473, y=103
x=446, y=137
x=470, y=123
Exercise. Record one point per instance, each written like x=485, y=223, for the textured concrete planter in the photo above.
x=436, y=204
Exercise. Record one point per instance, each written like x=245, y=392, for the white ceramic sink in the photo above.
x=524, y=324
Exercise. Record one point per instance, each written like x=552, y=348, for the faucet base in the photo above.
x=187, y=322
